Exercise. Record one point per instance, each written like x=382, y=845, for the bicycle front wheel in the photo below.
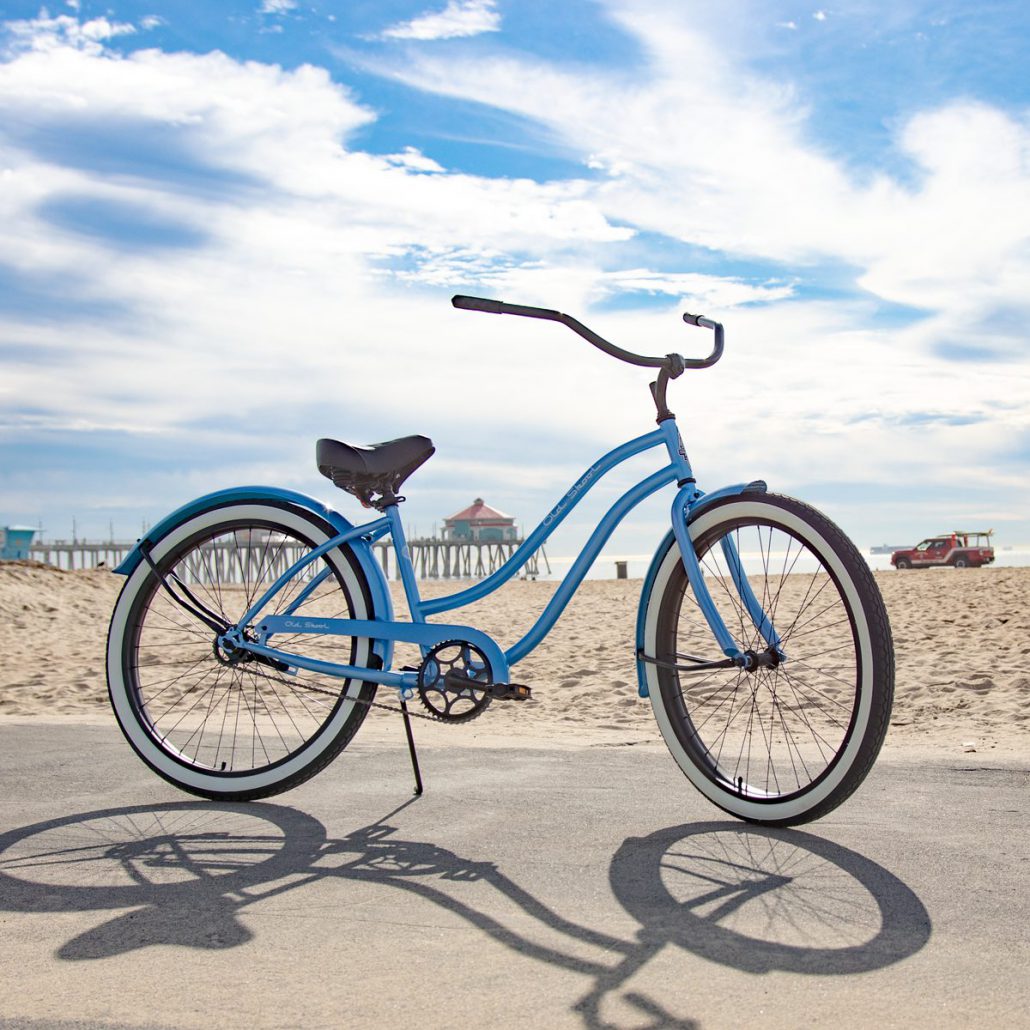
x=221, y=725
x=783, y=743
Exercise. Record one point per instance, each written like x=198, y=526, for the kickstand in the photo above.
x=411, y=747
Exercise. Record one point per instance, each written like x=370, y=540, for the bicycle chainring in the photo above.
x=453, y=681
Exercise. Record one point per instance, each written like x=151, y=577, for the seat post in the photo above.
x=389, y=499
x=407, y=570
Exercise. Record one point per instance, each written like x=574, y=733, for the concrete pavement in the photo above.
x=588, y=887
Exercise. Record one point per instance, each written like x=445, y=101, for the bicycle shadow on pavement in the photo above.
x=751, y=898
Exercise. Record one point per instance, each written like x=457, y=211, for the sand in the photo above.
x=962, y=641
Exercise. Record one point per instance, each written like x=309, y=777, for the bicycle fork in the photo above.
x=685, y=499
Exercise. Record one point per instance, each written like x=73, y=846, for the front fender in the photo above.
x=659, y=556
x=382, y=605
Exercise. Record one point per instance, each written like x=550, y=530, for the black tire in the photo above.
x=961, y=562
x=241, y=731
x=785, y=744
x=903, y=563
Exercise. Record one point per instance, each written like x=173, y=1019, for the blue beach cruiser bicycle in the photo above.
x=255, y=627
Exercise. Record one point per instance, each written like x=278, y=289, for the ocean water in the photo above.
x=638, y=564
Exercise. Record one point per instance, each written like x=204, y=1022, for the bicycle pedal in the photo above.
x=509, y=692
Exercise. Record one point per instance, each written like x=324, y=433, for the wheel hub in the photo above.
x=227, y=653
x=770, y=658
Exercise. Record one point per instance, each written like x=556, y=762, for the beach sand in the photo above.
x=962, y=641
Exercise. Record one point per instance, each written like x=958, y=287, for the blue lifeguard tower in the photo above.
x=15, y=542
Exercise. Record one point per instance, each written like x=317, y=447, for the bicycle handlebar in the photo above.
x=672, y=364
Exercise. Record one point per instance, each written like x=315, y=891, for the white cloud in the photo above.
x=701, y=148
x=277, y=6
x=717, y=293
x=325, y=267
x=706, y=151
x=459, y=18
x=287, y=288
x=46, y=33
x=961, y=241
x=415, y=160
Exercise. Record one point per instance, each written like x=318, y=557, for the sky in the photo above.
x=228, y=229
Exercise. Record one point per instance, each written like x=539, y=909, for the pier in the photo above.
x=80, y=554
x=432, y=558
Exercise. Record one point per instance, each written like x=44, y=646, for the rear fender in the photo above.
x=382, y=606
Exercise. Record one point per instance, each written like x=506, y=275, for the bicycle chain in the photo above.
x=357, y=700
x=385, y=708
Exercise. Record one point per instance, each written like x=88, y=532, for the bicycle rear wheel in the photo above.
x=206, y=721
x=786, y=743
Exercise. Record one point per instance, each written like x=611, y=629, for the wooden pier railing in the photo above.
x=80, y=554
x=431, y=558
x=455, y=559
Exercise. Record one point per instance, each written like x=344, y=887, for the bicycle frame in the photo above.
x=217, y=704
x=427, y=635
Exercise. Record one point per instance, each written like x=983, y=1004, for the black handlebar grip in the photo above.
x=701, y=322
x=494, y=307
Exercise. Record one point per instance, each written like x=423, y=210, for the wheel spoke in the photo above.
x=222, y=714
x=774, y=732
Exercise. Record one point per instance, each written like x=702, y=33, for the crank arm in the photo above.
x=499, y=691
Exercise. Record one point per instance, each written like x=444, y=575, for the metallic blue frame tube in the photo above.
x=407, y=570
x=427, y=634
x=550, y=523
x=391, y=523
x=747, y=595
x=371, y=531
x=616, y=513
x=688, y=556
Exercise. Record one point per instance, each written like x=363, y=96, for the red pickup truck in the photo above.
x=958, y=549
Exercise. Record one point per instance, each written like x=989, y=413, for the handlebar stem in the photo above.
x=658, y=389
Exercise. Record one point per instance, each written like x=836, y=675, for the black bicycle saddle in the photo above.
x=373, y=473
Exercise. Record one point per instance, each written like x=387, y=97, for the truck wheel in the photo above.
x=961, y=562
x=903, y=563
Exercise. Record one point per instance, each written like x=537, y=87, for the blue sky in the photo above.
x=229, y=229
